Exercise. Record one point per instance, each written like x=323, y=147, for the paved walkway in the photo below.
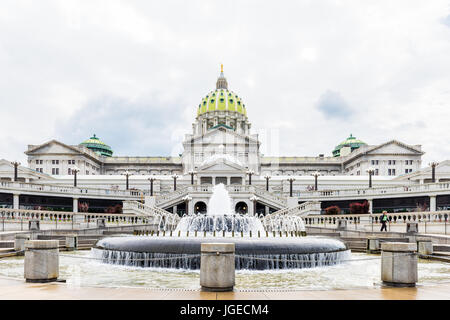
x=12, y=289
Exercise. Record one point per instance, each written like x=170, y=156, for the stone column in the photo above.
x=16, y=200
x=399, y=264
x=373, y=245
x=370, y=205
x=19, y=242
x=175, y=208
x=424, y=247
x=267, y=210
x=217, y=267
x=71, y=242
x=213, y=181
x=75, y=205
x=228, y=181
x=41, y=260
x=433, y=203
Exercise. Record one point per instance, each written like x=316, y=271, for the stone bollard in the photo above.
x=399, y=264
x=101, y=223
x=71, y=242
x=19, y=242
x=412, y=227
x=373, y=245
x=342, y=224
x=34, y=225
x=217, y=266
x=41, y=260
x=424, y=247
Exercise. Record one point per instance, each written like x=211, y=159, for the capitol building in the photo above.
x=221, y=148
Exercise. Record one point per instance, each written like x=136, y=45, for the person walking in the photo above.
x=384, y=220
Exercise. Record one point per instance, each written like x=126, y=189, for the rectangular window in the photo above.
x=376, y=172
x=374, y=162
x=55, y=171
x=37, y=161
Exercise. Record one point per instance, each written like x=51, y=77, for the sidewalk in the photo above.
x=12, y=289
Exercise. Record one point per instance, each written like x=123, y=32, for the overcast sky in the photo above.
x=310, y=72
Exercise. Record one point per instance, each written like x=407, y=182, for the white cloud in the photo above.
x=388, y=60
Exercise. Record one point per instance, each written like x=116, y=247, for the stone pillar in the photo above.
x=101, y=223
x=174, y=209
x=71, y=242
x=228, y=181
x=370, y=205
x=342, y=224
x=267, y=210
x=34, y=225
x=213, y=181
x=16, y=201
x=41, y=260
x=424, y=247
x=399, y=264
x=217, y=267
x=433, y=203
x=19, y=242
x=251, y=207
x=412, y=227
x=75, y=205
x=373, y=245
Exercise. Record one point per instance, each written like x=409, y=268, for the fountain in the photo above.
x=256, y=247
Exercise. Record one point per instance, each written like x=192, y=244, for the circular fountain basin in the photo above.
x=258, y=254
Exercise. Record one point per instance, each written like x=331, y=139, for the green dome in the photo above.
x=94, y=144
x=351, y=142
x=221, y=100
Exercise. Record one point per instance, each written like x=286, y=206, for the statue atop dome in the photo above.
x=221, y=81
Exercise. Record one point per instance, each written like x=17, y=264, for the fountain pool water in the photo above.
x=221, y=224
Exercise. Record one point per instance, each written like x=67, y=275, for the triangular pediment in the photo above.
x=221, y=165
x=223, y=135
x=395, y=147
x=52, y=147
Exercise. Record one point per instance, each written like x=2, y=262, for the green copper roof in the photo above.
x=351, y=142
x=98, y=146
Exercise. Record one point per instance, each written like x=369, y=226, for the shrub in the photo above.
x=359, y=208
x=333, y=210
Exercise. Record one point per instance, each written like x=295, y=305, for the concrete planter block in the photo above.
x=34, y=225
x=217, y=271
x=342, y=224
x=41, y=260
x=399, y=264
x=412, y=227
x=373, y=245
x=19, y=241
x=101, y=223
x=71, y=242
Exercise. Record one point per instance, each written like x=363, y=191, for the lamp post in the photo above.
x=15, y=164
x=192, y=173
x=75, y=170
x=151, y=179
x=433, y=165
x=370, y=171
x=315, y=175
x=267, y=177
x=291, y=181
x=250, y=173
x=174, y=176
x=127, y=174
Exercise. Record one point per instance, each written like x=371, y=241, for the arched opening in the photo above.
x=241, y=208
x=200, y=207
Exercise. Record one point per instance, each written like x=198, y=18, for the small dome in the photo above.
x=101, y=148
x=351, y=142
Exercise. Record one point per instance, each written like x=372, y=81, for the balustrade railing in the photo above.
x=376, y=191
x=74, y=191
x=17, y=219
